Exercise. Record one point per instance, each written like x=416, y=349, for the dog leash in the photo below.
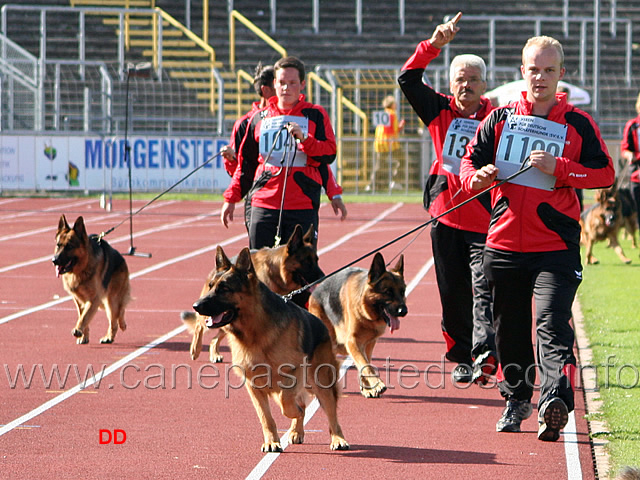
x=289, y=141
x=522, y=170
x=209, y=160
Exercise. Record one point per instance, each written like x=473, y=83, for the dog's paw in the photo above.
x=273, y=447
x=296, y=437
x=76, y=333
x=339, y=444
x=106, y=340
x=374, y=391
x=82, y=340
x=215, y=358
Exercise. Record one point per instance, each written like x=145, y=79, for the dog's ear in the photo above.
x=377, y=268
x=399, y=268
x=222, y=261
x=310, y=235
x=295, y=241
x=244, y=262
x=79, y=228
x=601, y=196
x=62, y=224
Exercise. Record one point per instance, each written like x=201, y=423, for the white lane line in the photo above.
x=63, y=396
x=87, y=383
x=261, y=468
x=123, y=238
x=157, y=266
x=48, y=209
x=571, y=451
x=88, y=220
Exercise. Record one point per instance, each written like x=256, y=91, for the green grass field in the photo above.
x=611, y=310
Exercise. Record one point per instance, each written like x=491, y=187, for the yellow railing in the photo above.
x=240, y=75
x=342, y=102
x=197, y=40
x=235, y=15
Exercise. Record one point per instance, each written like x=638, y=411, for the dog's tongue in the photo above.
x=394, y=323
x=210, y=322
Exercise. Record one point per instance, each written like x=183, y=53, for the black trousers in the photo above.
x=551, y=279
x=263, y=225
x=635, y=193
x=467, y=322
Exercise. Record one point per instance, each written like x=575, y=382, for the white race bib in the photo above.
x=381, y=117
x=522, y=134
x=459, y=134
x=272, y=135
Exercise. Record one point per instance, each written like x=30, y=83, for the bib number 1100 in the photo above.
x=518, y=147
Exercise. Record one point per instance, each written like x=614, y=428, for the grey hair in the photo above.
x=468, y=60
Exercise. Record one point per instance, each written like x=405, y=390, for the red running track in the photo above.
x=186, y=419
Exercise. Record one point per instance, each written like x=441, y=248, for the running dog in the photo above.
x=281, y=349
x=602, y=221
x=357, y=305
x=95, y=275
x=283, y=269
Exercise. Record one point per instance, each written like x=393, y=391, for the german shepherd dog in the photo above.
x=95, y=275
x=602, y=221
x=357, y=305
x=283, y=269
x=272, y=344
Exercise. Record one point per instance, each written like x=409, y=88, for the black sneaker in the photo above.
x=462, y=373
x=485, y=365
x=514, y=413
x=552, y=417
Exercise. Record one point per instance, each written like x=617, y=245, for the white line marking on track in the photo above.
x=87, y=383
x=571, y=451
x=60, y=398
x=48, y=209
x=157, y=266
x=123, y=238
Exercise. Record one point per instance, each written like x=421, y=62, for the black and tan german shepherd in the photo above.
x=357, y=306
x=283, y=269
x=603, y=221
x=95, y=275
x=281, y=349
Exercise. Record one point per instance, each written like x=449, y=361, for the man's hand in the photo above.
x=484, y=177
x=228, y=153
x=296, y=131
x=339, y=206
x=445, y=32
x=543, y=161
x=226, y=215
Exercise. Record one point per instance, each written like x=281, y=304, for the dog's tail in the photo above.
x=189, y=319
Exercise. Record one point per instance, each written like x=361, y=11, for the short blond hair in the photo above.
x=388, y=101
x=543, y=41
x=638, y=104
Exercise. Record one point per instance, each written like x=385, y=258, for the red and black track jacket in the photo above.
x=630, y=142
x=266, y=181
x=437, y=111
x=526, y=219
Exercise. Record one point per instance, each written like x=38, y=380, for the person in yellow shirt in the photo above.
x=386, y=142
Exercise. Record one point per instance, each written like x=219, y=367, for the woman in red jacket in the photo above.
x=285, y=157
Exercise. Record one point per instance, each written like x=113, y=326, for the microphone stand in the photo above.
x=139, y=70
